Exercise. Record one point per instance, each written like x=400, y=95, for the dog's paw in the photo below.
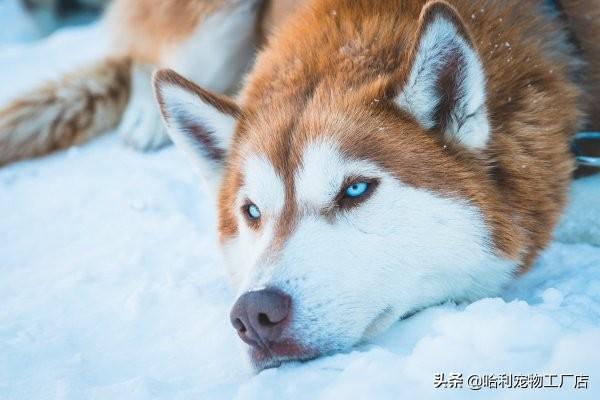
x=141, y=127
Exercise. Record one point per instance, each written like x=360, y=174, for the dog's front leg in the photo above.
x=141, y=126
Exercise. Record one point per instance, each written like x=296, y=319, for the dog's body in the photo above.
x=381, y=157
x=222, y=37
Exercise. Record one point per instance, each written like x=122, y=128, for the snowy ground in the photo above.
x=110, y=288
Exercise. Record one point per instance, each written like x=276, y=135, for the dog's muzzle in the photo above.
x=260, y=316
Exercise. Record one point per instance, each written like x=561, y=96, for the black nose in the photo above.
x=259, y=316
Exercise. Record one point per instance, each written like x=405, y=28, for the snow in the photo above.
x=110, y=287
x=17, y=26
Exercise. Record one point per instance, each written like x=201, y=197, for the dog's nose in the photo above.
x=259, y=316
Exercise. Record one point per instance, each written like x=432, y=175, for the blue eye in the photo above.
x=356, y=189
x=253, y=211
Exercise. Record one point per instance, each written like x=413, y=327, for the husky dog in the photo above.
x=379, y=157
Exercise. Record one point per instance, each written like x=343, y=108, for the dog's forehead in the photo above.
x=314, y=180
x=310, y=175
x=309, y=151
x=320, y=172
x=324, y=168
x=262, y=183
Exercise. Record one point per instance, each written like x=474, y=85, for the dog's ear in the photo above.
x=200, y=123
x=444, y=81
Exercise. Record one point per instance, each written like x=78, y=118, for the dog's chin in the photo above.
x=279, y=353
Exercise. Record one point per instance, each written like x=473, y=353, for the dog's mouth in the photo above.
x=289, y=350
x=280, y=352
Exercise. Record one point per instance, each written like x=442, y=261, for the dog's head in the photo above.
x=341, y=212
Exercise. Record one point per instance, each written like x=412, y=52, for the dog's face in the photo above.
x=340, y=218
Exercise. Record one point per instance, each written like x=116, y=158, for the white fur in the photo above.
x=469, y=124
x=181, y=106
x=314, y=189
x=403, y=249
x=262, y=185
x=216, y=55
x=141, y=126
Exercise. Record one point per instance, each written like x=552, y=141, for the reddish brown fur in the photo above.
x=332, y=67
x=274, y=14
x=72, y=110
x=583, y=17
x=144, y=31
x=332, y=71
x=147, y=29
